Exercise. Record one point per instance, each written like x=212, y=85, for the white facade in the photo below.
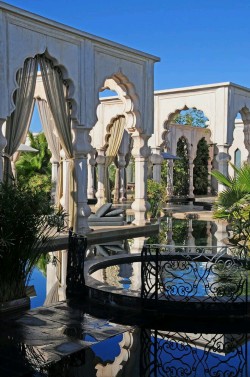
x=89, y=64
x=228, y=138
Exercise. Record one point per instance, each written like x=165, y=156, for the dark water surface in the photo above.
x=143, y=351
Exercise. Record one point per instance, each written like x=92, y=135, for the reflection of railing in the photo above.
x=184, y=274
x=166, y=353
x=75, y=266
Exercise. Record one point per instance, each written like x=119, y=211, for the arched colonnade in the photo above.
x=226, y=136
x=88, y=65
x=220, y=103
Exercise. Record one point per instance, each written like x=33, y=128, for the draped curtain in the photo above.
x=56, y=96
x=114, y=143
x=17, y=124
x=48, y=124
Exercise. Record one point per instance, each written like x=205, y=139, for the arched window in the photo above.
x=237, y=158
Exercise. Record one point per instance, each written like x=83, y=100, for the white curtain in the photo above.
x=56, y=96
x=17, y=124
x=114, y=142
x=49, y=128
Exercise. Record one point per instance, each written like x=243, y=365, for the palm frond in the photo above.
x=226, y=181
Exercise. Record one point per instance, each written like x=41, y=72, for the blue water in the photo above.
x=39, y=281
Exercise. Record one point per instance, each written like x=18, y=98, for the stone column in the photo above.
x=54, y=178
x=3, y=143
x=191, y=178
x=121, y=165
x=117, y=186
x=169, y=232
x=190, y=237
x=129, y=171
x=246, y=131
x=221, y=233
x=170, y=180
x=156, y=160
x=141, y=152
x=211, y=156
x=223, y=159
x=136, y=248
x=64, y=200
x=209, y=234
x=82, y=148
x=91, y=175
x=63, y=275
x=100, y=194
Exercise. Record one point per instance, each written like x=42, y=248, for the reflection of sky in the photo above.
x=125, y=273
x=185, y=279
x=39, y=281
x=108, y=349
x=195, y=362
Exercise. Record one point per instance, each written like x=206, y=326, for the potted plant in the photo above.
x=27, y=223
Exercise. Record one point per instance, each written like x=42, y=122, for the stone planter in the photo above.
x=14, y=306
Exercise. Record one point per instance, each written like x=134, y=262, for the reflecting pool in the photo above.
x=142, y=350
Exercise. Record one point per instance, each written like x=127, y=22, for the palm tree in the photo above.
x=236, y=193
x=233, y=204
x=34, y=170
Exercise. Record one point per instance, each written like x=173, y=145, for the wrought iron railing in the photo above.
x=75, y=267
x=193, y=274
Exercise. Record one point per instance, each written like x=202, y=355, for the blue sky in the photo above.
x=198, y=41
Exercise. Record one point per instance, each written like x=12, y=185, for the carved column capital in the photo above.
x=140, y=146
x=121, y=161
x=156, y=159
x=100, y=160
x=81, y=141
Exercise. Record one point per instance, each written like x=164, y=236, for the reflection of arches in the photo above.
x=125, y=363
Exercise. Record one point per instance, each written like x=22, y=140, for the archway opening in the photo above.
x=190, y=117
x=113, y=142
x=191, y=125
x=200, y=172
x=42, y=119
x=181, y=169
x=33, y=168
x=237, y=150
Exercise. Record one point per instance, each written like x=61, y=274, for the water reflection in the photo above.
x=172, y=232
x=139, y=351
x=145, y=353
x=190, y=232
x=183, y=354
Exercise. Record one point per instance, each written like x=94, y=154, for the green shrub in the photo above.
x=27, y=222
x=156, y=196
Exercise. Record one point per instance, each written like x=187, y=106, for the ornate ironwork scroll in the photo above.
x=75, y=267
x=204, y=274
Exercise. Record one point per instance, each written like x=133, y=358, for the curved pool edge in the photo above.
x=131, y=300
